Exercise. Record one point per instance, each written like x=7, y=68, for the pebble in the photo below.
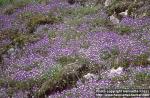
x=115, y=72
x=108, y=2
x=90, y=76
x=114, y=20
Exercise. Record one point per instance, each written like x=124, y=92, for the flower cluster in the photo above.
x=128, y=21
x=100, y=41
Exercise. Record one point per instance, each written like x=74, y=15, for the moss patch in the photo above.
x=124, y=30
x=4, y=2
x=23, y=39
x=65, y=75
x=16, y=38
x=142, y=80
x=66, y=60
x=52, y=34
x=40, y=19
x=141, y=60
x=14, y=5
x=32, y=20
x=72, y=34
x=100, y=22
x=75, y=21
x=81, y=11
x=85, y=44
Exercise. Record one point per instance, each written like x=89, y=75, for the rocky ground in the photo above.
x=68, y=48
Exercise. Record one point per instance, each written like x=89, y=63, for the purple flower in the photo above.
x=83, y=89
x=128, y=21
x=100, y=41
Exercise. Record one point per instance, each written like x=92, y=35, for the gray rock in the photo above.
x=114, y=20
x=108, y=3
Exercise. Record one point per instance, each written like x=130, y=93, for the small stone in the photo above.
x=148, y=59
x=108, y=2
x=90, y=76
x=11, y=51
x=115, y=72
x=114, y=20
x=124, y=13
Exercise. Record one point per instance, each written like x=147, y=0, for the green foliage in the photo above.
x=68, y=36
x=39, y=19
x=10, y=92
x=49, y=79
x=4, y=2
x=52, y=34
x=6, y=34
x=100, y=22
x=75, y=21
x=62, y=75
x=51, y=73
x=5, y=48
x=2, y=82
x=142, y=79
x=72, y=34
x=20, y=85
x=77, y=14
x=85, y=44
x=147, y=13
x=85, y=10
x=32, y=20
x=81, y=11
x=25, y=15
x=19, y=3
x=22, y=39
x=66, y=60
x=143, y=76
x=113, y=57
x=120, y=78
x=141, y=60
x=110, y=53
x=124, y=30
x=124, y=62
x=68, y=94
x=10, y=10
x=138, y=60
x=105, y=55
x=36, y=19
x=19, y=39
x=114, y=51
